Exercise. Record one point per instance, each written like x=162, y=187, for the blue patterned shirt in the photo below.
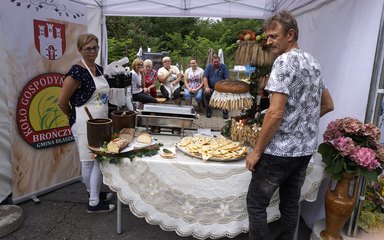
x=298, y=75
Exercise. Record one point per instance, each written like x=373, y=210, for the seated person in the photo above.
x=169, y=77
x=150, y=77
x=193, y=79
x=214, y=73
x=138, y=94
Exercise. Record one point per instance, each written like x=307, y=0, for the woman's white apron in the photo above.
x=97, y=106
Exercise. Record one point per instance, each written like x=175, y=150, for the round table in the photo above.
x=205, y=199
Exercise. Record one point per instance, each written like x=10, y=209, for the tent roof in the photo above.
x=258, y=9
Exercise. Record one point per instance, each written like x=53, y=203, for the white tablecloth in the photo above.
x=191, y=196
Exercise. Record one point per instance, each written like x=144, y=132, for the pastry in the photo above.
x=145, y=138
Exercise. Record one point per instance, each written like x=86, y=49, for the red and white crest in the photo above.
x=49, y=39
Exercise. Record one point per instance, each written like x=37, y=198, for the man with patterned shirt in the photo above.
x=288, y=137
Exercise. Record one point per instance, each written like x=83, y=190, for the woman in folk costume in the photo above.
x=85, y=85
x=150, y=78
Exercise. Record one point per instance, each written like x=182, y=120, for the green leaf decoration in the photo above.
x=368, y=175
x=116, y=158
x=327, y=152
x=337, y=167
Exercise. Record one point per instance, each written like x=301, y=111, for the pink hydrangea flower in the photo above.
x=373, y=164
x=348, y=135
x=351, y=125
x=380, y=152
x=372, y=131
x=332, y=132
x=344, y=145
x=363, y=156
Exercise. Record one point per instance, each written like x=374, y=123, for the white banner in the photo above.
x=39, y=46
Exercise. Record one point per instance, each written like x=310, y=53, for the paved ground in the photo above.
x=61, y=214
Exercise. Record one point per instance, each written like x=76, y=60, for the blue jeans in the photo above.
x=198, y=95
x=272, y=172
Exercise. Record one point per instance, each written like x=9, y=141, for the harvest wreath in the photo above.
x=243, y=129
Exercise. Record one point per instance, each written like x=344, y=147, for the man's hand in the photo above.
x=251, y=160
x=207, y=90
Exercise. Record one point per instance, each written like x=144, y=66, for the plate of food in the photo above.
x=125, y=143
x=167, y=152
x=212, y=148
x=118, y=144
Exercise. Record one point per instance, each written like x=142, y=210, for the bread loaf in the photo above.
x=144, y=137
x=117, y=144
x=232, y=86
x=127, y=133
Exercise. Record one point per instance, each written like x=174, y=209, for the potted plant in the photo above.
x=350, y=149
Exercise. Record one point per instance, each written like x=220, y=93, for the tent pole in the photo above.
x=373, y=112
x=103, y=41
x=372, y=115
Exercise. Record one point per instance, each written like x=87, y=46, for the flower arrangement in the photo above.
x=352, y=147
x=371, y=218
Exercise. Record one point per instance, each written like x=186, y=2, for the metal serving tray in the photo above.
x=165, y=121
x=168, y=109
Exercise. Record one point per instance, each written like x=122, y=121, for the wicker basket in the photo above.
x=119, y=81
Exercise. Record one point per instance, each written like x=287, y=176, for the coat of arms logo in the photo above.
x=49, y=39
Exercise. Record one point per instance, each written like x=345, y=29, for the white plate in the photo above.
x=142, y=145
x=172, y=149
x=135, y=145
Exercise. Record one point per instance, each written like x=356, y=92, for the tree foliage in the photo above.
x=183, y=38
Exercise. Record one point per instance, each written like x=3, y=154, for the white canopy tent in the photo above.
x=344, y=35
x=341, y=34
